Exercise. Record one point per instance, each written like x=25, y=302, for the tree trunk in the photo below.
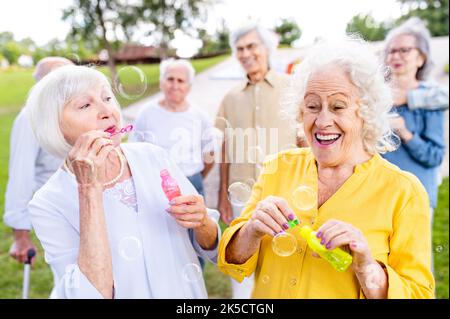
x=111, y=62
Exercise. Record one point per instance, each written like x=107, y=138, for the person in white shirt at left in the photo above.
x=103, y=219
x=29, y=168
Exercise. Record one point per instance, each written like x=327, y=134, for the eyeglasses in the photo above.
x=402, y=51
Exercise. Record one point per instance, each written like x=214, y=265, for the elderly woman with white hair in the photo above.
x=106, y=226
x=361, y=202
x=418, y=115
x=176, y=125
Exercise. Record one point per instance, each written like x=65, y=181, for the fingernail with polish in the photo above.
x=285, y=226
x=319, y=234
x=291, y=216
x=322, y=241
x=328, y=246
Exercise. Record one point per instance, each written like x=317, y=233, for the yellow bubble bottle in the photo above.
x=338, y=258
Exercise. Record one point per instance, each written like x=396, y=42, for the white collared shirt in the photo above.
x=29, y=168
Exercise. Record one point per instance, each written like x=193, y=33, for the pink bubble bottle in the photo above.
x=169, y=185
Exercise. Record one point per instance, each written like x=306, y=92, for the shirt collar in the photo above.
x=270, y=78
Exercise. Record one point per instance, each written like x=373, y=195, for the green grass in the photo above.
x=16, y=82
x=440, y=242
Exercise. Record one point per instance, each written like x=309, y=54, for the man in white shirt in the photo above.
x=29, y=168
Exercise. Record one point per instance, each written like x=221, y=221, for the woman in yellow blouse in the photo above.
x=364, y=204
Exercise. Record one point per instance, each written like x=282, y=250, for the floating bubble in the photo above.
x=250, y=182
x=439, y=249
x=192, y=273
x=304, y=198
x=255, y=155
x=239, y=193
x=75, y=58
x=130, y=82
x=130, y=248
x=265, y=279
x=284, y=244
x=293, y=282
x=372, y=277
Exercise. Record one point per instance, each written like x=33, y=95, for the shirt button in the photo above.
x=299, y=250
x=313, y=220
x=293, y=282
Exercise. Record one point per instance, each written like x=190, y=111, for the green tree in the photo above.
x=289, y=31
x=165, y=16
x=12, y=51
x=96, y=21
x=434, y=12
x=367, y=27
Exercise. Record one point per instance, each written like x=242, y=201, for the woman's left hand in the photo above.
x=335, y=233
x=399, y=126
x=189, y=211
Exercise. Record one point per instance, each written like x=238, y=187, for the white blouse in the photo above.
x=29, y=168
x=152, y=256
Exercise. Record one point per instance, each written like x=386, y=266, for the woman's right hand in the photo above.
x=88, y=156
x=270, y=217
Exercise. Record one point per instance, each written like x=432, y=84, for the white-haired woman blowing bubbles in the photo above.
x=103, y=220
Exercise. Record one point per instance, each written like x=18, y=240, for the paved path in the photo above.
x=211, y=85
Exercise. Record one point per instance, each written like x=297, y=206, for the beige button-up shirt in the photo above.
x=250, y=117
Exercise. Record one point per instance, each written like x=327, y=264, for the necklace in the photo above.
x=115, y=179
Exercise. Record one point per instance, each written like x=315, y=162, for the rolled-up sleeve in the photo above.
x=433, y=97
x=409, y=261
x=21, y=183
x=210, y=254
x=428, y=148
x=60, y=241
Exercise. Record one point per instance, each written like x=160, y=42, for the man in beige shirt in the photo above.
x=252, y=124
x=250, y=115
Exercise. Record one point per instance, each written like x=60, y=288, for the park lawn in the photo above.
x=16, y=82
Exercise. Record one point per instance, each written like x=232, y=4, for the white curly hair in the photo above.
x=366, y=72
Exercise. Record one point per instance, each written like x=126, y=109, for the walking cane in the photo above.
x=26, y=273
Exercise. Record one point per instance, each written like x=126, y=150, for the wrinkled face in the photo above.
x=251, y=53
x=403, y=56
x=175, y=85
x=332, y=125
x=95, y=109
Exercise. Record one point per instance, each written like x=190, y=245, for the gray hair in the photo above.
x=48, y=64
x=48, y=98
x=416, y=28
x=169, y=63
x=355, y=57
x=268, y=38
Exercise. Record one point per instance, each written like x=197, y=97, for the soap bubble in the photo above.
x=130, y=82
x=250, y=182
x=304, y=198
x=239, y=193
x=192, y=273
x=284, y=244
x=130, y=248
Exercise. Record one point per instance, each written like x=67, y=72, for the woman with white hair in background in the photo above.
x=103, y=219
x=362, y=202
x=176, y=125
x=418, y=117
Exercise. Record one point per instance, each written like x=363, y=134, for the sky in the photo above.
x=41, y=20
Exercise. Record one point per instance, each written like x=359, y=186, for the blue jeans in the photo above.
x=197, y=181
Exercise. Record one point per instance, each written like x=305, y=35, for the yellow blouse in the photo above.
x=389, y=206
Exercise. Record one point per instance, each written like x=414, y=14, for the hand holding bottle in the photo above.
x=335, y=233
